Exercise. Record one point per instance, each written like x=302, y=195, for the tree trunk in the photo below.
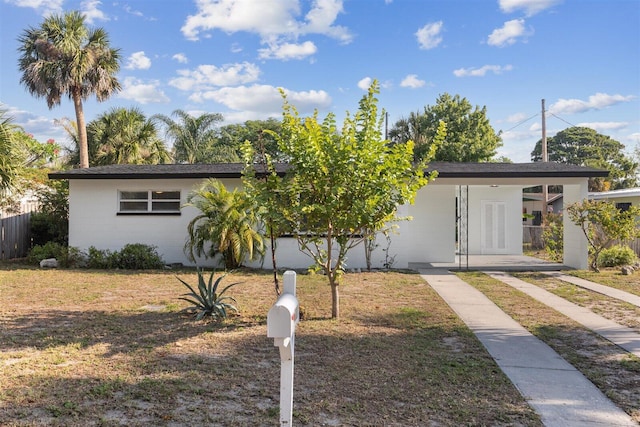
x=335, y=299
x=83, y=146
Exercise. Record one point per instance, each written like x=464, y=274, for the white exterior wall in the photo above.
x=429, y=237
x=576, y=247
x=93, y=219
x=512, y=197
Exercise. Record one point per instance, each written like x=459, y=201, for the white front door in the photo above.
x=493, y=227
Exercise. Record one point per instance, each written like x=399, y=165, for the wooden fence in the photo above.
x=15, y=235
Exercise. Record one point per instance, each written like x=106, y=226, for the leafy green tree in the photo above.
x=340, y=184
x=51, y=222
x=125, y=136
x=585, y=147
x=263, y=143
x=9, y=164
x=226, y=225
x=470, y=137
x=195, y=138
x=603, y=223
x=65, y=57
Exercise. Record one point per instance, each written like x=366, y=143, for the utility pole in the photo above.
x=545, y=158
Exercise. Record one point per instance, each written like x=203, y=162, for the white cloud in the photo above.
x=508, y=34
x=412, y=81
x=273, y=19
x=138, y=61
x=516, y=118
x=144, y=93
x=209, y=76
x=595, y=102
x=604, y=126
x=288, y=51
x=180, y=57
x=482, y=71
x=264, y=99
x=365, y=83
x=530, y=7
x=429, y=35
x=45, y=7
x=91, y=12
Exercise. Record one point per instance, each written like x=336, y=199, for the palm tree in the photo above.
x=193, y=137
x=125, y=136
x=64, y=57
x=226, y=225
x=8, y=164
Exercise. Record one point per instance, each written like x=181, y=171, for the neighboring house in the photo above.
x=481, y=203
x=532, y=205
x=623, y=199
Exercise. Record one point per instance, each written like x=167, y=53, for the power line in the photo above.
x=521, y=123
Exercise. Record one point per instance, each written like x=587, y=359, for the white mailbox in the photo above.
x=282, y=319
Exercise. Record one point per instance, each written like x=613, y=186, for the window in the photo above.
x=623, y=206
x=149, y=202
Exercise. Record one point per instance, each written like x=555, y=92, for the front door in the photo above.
x=493, y=227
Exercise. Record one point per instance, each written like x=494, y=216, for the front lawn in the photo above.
x=81, y=348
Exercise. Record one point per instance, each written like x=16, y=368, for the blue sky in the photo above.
x=231, y=56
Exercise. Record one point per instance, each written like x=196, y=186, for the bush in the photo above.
x=134, y=256
x=102, y=259
x=616, y=256
x=552, y=236
x=138, y=256
x=66, y=256
x=207, y=301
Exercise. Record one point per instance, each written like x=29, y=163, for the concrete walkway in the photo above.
x=622, y=336
x=558, y=392
x=596, y=287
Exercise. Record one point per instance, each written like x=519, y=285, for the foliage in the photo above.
x=226, y=225
x=194, y=138
x=102, y=259
x=138, y=256
x=617, y=255
x=470, y=137
x=553, y=236
x=9, y=167
x=253, y=132
x=602, y=223
x=51, y=222
x=125, y=136
x=207, y=301
x=133, y=256
x=585, y=147
x=65, y=57
x=340, y=185
x=67, y=256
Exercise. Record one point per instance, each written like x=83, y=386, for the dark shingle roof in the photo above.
x=234, y=170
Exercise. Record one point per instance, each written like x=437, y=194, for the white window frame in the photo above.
x=152, y=204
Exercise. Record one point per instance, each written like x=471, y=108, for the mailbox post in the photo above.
x=282, y=319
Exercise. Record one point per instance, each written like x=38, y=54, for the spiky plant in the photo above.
x=207, y=301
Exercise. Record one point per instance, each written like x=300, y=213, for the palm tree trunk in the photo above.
x=83, y=146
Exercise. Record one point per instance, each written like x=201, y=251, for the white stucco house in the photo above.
x=470, y=208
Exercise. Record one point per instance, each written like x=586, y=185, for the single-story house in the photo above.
x=622, y=198
x=533, y=205
x=470, y=208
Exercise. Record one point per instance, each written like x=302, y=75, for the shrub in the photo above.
x=138, y=256
x=45, y=251
x=616, y=256
x=66, y=256
x=134, y=256
x=101, y=258
x=207, y=302
x=552, y=236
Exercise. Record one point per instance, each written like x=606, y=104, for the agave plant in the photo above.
x=207, y=301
